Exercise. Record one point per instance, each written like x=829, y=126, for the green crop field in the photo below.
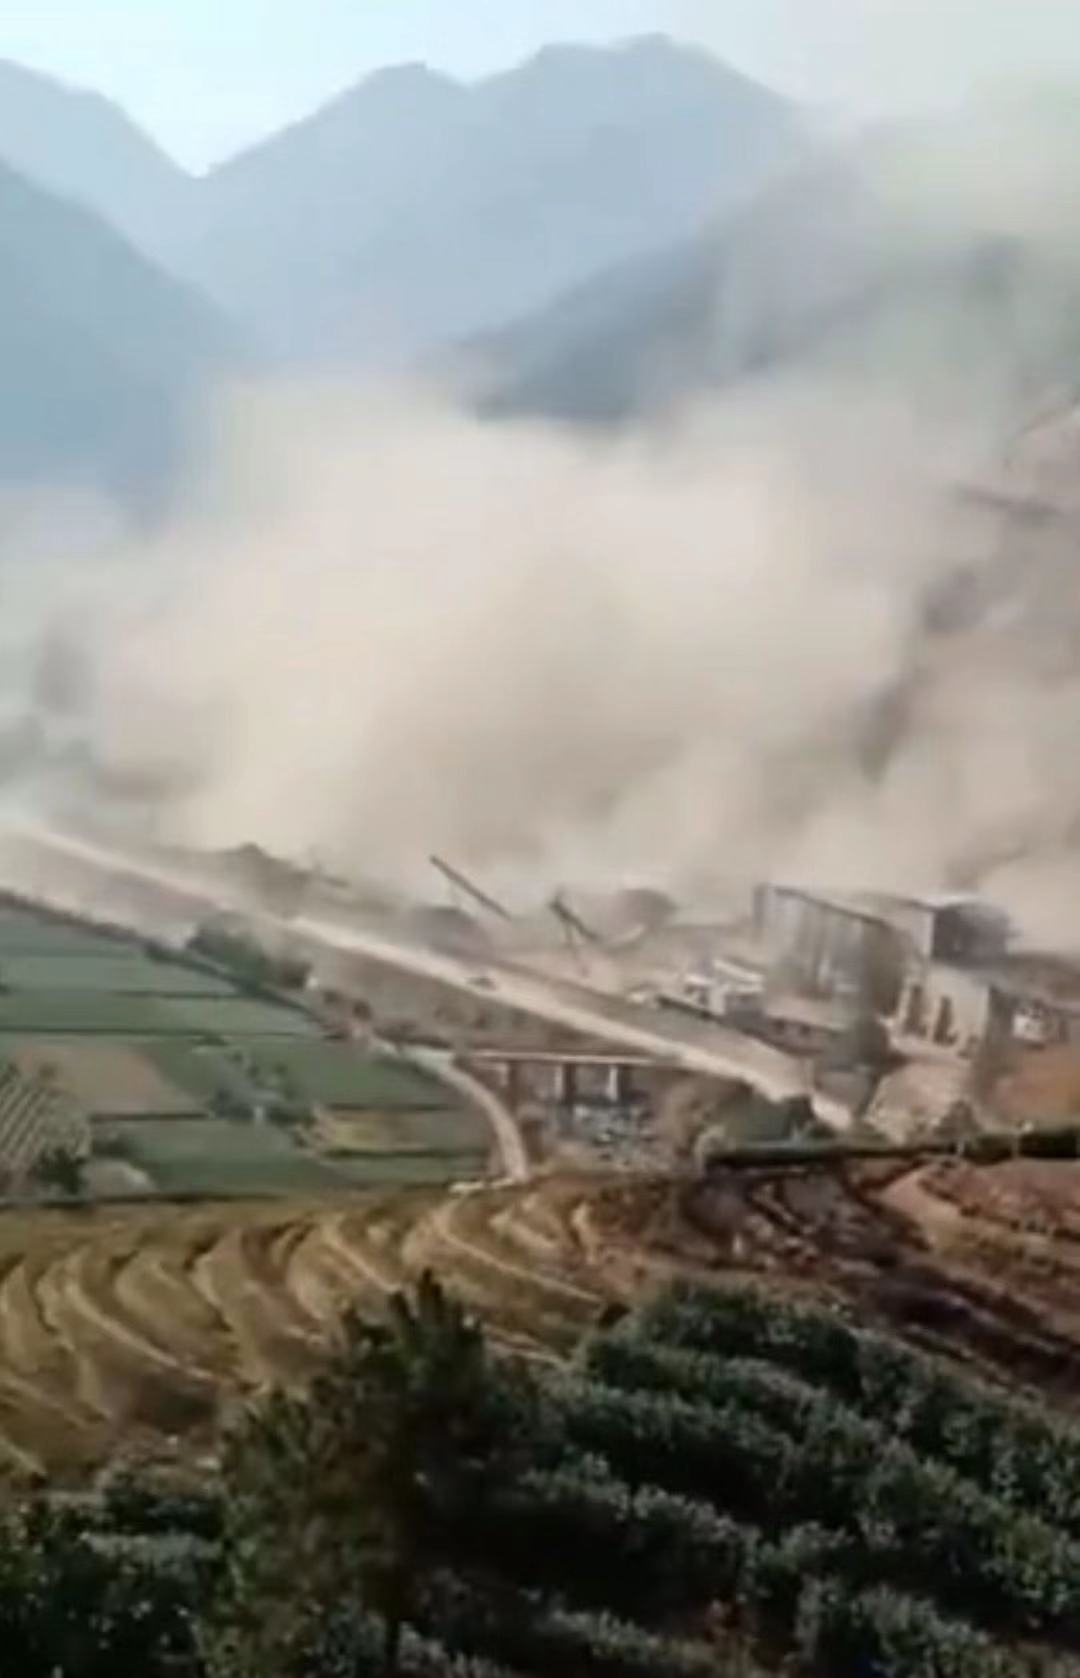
x=147, y=1047
x=27, y=934
x=412, y=1170
x=120, y=973
x=451, y=1132
x=201, y=1072
x=229, y=1016
x=342, y=1075
x=72, y=1013
x=206, y=1072
x=216, y=1156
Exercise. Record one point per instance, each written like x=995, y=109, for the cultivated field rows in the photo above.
x=136, y=1331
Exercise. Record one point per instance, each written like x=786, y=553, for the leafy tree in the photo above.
x=355, y=1492
x=60, y=1169
x=227, y=1104
x=251, y=965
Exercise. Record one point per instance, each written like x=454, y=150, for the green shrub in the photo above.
x=892, y=1636
x=1013, y=1449
x=532, y=1632
x=725, y=1453
x=582, y=1534
x=918, y=1521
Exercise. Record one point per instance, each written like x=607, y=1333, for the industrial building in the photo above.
x=849, y=941
x=1029, y=999
x=951, y=1007
x=939, y=968
x=827, y=945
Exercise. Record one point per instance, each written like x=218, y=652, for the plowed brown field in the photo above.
x=136, y=1330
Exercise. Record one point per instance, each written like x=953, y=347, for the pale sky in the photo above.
x=208, y=76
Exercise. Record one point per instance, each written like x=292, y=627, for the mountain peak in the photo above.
x=666, y=55
x=654, y=44
x=428, y=209
x=408, y=70
x=405, y=80
x=12, y=72
x=657, y=44
x=591, y=56
x=653, y=66
x=85, y=148
x=32, y=96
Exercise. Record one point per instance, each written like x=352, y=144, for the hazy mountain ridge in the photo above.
x=103, y=354
x=607, y=231
x=82, y=147
x=845, y=267
x=408, y=213
x=414, y=210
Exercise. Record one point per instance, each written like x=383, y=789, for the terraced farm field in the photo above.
x=158, y=1053
x=127, y=1327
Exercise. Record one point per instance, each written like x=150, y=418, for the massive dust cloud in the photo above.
x=767, y=637
x=397, y=631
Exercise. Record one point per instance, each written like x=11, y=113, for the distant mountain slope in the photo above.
x=415, y=210
x=622, y=343
x=850, y=265
x=81, y=147
x=102, y=355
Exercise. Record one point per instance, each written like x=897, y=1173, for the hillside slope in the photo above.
x=103, y=355
x=881, y=263
x=415, y=210
x=82, y=147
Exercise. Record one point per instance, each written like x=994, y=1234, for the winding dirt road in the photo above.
x=443, y=1066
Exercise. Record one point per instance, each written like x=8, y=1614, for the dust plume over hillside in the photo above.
x=679, y=658
x=766, y=636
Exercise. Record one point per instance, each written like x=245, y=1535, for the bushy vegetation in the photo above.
x=80, y=1599
x=1017, y=1449
x=247, y=962
x=719, y=1485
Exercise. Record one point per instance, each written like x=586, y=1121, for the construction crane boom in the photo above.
x=572, y=921
x=456, y=878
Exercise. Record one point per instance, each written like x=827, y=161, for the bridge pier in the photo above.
x=563, y=1079
x=566, y=1084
